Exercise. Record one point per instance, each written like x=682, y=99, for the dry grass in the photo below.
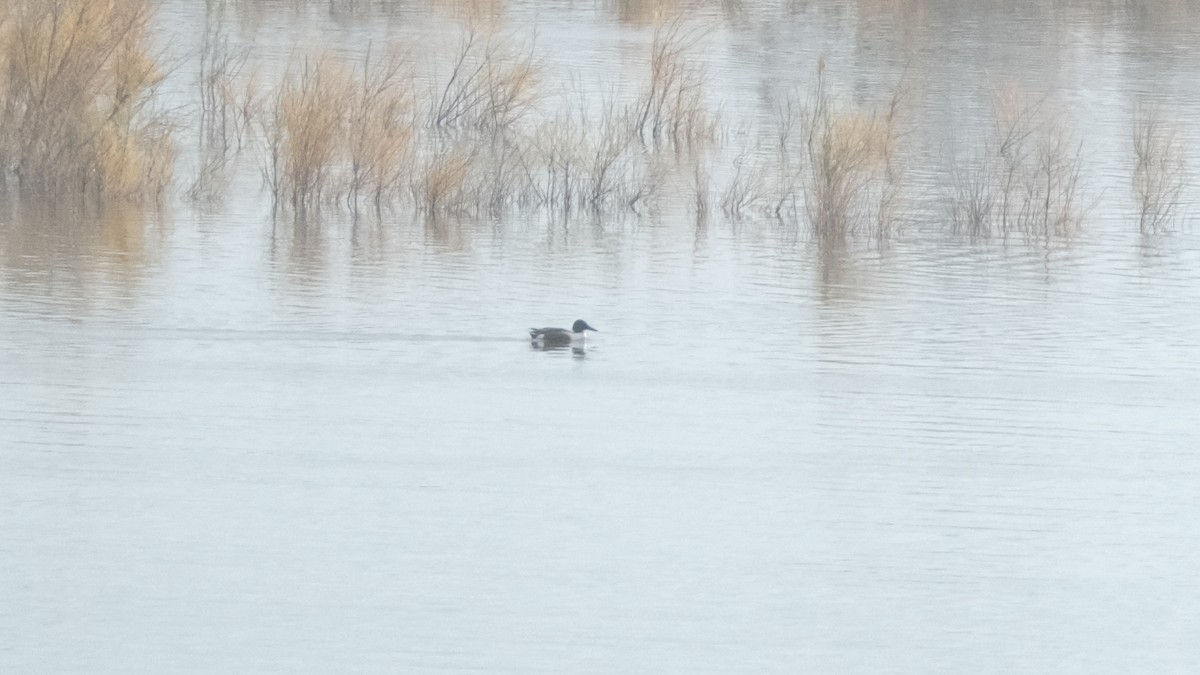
x=469, y=156
x=607, y=161
x=505, y=183
x=229, y=104
x=1026, y=179
x=970, y=201
x=748, y=187
x=832, y=165
x=850, y=181
x=480, y=137
x=556, y=168
x=443, y=181
x=491, y=86
x=304, y=133
x=76, y=95
x=1159, y=171
x=380, y=130
x=589, y=159
x=790, y=170
x=672, y=110
x=228, y=98
x=616, y=172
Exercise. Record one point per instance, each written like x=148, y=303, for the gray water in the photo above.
x=234, y=444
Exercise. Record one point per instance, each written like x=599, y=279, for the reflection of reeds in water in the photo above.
x=77, y=81
x=1159, y=171
x=86, y=247
x=123, y=231
x=445, y=232
x=643, y=12
x=701, y=189
x=479, y=12
x=1026, y=179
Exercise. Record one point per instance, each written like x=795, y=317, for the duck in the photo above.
x=561, y=336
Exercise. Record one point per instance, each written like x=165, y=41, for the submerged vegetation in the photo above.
x=851, y=185
x=303, y=131
x=1026, y=179
x=481, y=130
x=1159, y=170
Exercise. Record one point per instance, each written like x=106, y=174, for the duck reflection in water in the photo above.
x=578, y=351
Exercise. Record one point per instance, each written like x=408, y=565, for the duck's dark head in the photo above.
x=580, y=326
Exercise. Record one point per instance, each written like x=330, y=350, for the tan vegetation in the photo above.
x=834, y=169
x=229, y=103
x=1026, y=179
x=77, y=81
x=671, y=110
x=491, y=85
x=478, y=149
x=592, y=161
x=443, y=180
x=747, y=189
x=851, y=185
x=304, y=130
x=380, y=130
x=475, y=131
x=483, y=142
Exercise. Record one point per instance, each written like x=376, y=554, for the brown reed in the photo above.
x=303, y=130
x=671, y=109
x=77, y=88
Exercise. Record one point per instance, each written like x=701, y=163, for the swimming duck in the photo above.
x=560, y=335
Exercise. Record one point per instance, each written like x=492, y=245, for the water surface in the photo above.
x=231, y=443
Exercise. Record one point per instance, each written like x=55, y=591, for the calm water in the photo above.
x=231, y=445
